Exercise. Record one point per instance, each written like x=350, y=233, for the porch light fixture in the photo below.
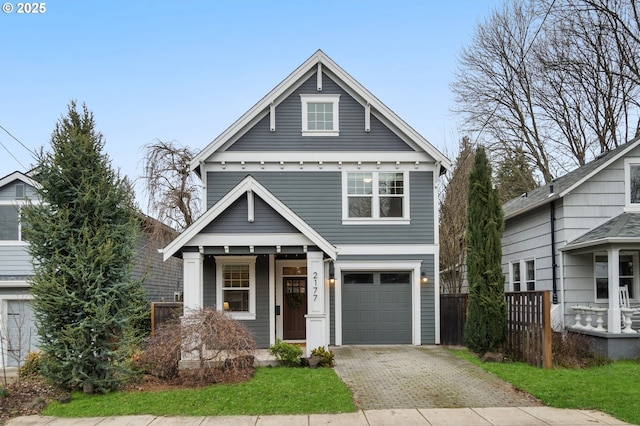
x=423, y=278
x=332, y=278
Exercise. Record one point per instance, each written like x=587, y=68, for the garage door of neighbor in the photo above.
x=22, y=336
x=376, y=308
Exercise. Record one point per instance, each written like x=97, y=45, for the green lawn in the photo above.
x=613, y=388
x=272, y=391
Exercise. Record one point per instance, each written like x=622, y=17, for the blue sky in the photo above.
x=186, y=70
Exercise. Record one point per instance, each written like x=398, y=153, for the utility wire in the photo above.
x=14, y=157
x=16, y=139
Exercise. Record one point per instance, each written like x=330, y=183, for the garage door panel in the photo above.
x=376, y=313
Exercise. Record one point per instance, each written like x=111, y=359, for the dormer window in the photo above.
x=320, y=115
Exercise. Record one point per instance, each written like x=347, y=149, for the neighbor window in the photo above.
x=375, y=195
x=236, y=288
x=632, y=183
x=530, y=268
x=626, y=272
x=9, y=223
x=320, y=115
x=515, y=276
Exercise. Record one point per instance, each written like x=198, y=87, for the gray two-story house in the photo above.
x=322, y=218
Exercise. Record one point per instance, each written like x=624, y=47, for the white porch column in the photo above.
x=316, y=315
x=192, y=274
x=614, y=290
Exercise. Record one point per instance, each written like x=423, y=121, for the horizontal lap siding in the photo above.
x=317, y=198
x=8, y=191
x=288, y=137
x=427, y=304
x=259, y=327
x=15, y=261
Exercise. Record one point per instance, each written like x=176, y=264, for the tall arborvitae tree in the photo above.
x=82, y=237
x=486, y=325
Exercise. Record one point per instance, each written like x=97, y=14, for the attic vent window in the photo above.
x=320, y=115
x=19, y=191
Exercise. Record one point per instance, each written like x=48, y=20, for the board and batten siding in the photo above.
x=316, y=197
x=234, y=220
x=288, y=133
x=427, y=304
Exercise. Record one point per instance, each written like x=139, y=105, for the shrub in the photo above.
x=224, y=349
x=326, y=356
x=574, y=350
x=3, y=392
x=32, y=366
x=288, y=354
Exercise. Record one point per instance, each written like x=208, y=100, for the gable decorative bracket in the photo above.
x=319, y=78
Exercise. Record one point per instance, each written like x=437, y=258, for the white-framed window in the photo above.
x=320, y=115
x=10, y=222
x=523, y=275
x=530, y=274
x=375, y=196
x=632, y=183
x=626, y=271
x=516, y=277
x=236, y=286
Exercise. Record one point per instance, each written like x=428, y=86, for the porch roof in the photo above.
x=191, y=236
x=621, y=229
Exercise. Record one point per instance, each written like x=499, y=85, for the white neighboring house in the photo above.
x=579, y=237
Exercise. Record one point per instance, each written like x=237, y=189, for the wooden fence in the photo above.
x=453, y=314
x=528, y=325
x=162, y=312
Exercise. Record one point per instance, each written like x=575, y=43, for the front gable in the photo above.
x=285, y=132
x=275, y=123
x=16, y=186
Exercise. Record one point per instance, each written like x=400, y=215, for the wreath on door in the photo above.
x=295, y=300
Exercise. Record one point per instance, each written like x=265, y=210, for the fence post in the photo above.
x=547, y=329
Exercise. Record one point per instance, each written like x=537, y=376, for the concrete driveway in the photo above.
x=383, y=377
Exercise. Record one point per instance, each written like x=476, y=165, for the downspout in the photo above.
x=554, y=276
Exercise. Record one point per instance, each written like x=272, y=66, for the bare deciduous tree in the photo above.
x=552, y=77
x=453, y=221
x=174, y=194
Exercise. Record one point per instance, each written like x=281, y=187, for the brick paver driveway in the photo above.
x=420, y=377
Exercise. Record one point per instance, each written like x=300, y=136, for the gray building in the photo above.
x=322, y=218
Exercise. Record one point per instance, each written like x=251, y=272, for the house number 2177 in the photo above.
x=315, y=286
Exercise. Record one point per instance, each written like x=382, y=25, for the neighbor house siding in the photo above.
x=288, y=137
x=161, y=279
x=8, y=191
x=317, y=198
x=15, y=261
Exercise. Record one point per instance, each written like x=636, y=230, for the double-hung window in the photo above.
x=626, y=273
x=526, y=282
x=375, y=196
x=236, y=288
x=320, y=115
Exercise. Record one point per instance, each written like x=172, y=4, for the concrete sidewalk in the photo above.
x=511, y=416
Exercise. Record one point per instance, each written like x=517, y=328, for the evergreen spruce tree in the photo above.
x=486, y=325
x=82, y=237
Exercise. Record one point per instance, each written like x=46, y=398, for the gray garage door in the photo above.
x=376, y=308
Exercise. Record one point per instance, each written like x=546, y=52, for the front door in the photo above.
x=294, y=290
